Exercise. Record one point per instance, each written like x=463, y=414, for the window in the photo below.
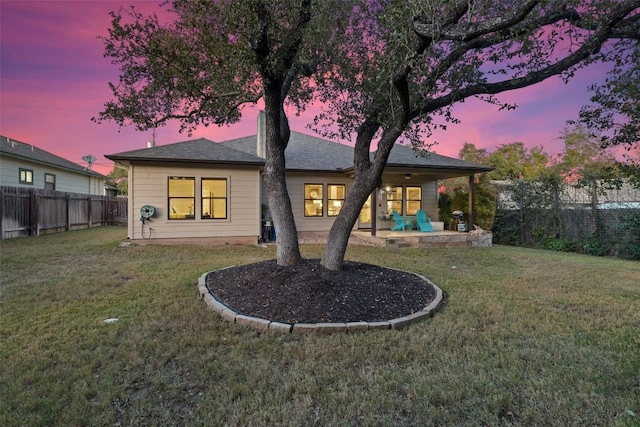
x=313, y=199
x=182, y=192
x=394, y=199
x=335, y=198
x=26, y=176
x=49, y=181
x=414, y=200
x=214, y=198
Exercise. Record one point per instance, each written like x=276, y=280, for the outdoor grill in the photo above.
x=459, y=220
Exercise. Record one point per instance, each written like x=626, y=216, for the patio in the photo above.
x=414, y=238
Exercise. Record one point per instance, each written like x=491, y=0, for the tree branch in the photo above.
x=593, y=44
x=464, y=31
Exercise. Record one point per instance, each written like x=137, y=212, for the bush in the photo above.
x=629, y=246
x=506, y=228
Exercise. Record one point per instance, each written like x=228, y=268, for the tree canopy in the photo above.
x=381, y=70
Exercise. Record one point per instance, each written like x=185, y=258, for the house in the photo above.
x=24, y=165
x=200, y=189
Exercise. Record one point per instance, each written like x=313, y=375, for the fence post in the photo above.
x=90, y=202
x=67, y=202
x=33, y=214
x=594, y=207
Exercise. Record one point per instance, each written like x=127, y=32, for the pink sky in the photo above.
x=53, y=79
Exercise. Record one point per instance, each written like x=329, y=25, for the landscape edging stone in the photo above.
x=265, y=325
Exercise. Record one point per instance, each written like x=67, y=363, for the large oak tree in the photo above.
x=383, y=70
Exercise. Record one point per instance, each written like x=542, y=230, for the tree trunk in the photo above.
x=367, y=177
x=338, y=238
x=277, y=138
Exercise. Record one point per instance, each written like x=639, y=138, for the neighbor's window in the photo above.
x=335, y=198
x=414, y=200
x=26, y=176
x=182, y=197
x=394, y=199
x=49, y=181
x=214, y=198
x=313, y=199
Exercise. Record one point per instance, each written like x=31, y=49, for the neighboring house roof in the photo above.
x=195, y=151
x=20, y=150
x=304, y=153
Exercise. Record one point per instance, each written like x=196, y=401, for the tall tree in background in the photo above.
x=583, y=157
x=383, y=70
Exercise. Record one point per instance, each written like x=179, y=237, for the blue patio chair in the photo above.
x=401, y=223
x=423, y=221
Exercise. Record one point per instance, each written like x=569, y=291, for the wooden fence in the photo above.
x=32, y=211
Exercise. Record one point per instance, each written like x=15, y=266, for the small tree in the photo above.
x=119, y=177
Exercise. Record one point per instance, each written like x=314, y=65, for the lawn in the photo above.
x=526, y=337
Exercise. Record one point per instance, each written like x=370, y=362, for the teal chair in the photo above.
x=401, y=224
x=423, y=221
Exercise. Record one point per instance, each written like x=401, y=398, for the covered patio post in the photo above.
x=374, y=211
x=472, y=202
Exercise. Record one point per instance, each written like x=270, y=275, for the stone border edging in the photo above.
x=264, y=325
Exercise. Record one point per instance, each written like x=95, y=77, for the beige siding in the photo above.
x=149, y=186
x=430, y=199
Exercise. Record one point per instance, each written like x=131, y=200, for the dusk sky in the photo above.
x=53, y=79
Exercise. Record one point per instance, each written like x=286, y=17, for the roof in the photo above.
x=304, y=153
x=21, y=150
x=405, y=156
x=199, y=150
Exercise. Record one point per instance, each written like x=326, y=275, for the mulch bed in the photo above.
x=309, y=293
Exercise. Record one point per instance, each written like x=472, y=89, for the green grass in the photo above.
x=526, y=337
